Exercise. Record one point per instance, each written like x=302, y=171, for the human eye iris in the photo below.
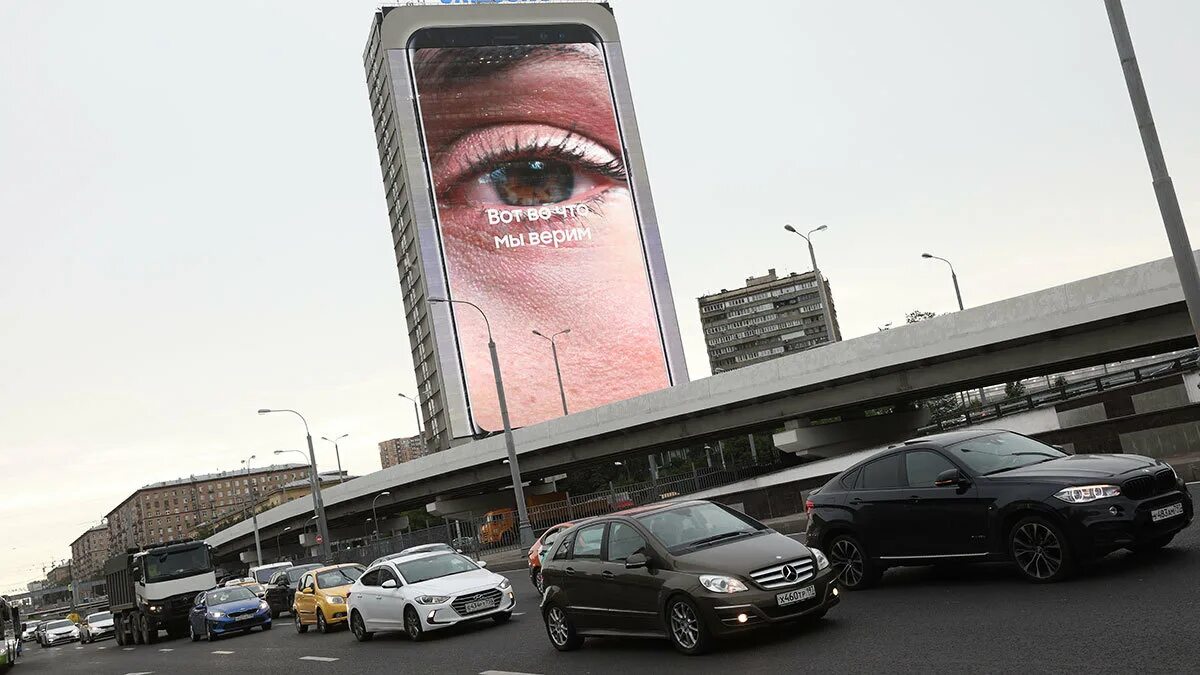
x=532, y=182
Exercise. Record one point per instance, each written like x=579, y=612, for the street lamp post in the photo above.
x=957, y=296
x=525, y=530
x=953, y=276
x=315, y=480
x=337, y=453
x=1164, y=188
x=821, y=294
x=253, y=512
x=278, y=550
x=557, y=371
x=416, y=413
x=375, y=516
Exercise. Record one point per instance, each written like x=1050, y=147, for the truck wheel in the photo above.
x=151, y=629
x=135, y=627
x=507, y=538
x=119, y=631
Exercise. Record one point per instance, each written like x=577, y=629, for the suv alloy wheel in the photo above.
x=561, y=631
x=685, y=627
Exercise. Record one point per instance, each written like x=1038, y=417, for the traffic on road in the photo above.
x=892, y=627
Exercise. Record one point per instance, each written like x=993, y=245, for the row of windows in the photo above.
x=916, y=468
x=774, y=293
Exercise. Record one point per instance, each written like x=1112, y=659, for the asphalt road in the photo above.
x=1126, y=614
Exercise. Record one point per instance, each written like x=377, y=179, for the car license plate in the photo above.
x=480, y=605
x=1166, y=512
x=798, y=595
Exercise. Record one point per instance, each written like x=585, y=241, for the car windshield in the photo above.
x=101, y=616
x=175, y=564
x=264, y=575
x=697, y=524
x=342, y=576
x=434, y=567
x=233, y=594
x=294, y=573
x=995, y=453
x=427, y=548
x=58, y=624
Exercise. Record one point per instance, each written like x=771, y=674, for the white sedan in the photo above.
x=426, y=591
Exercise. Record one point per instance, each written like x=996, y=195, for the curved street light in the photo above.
x=831, y=334
x=314, y=479
x=375, y=516
x=953, y=276
x=557, y=371
x=253, y=511
x=336, y=452
x=526, y=532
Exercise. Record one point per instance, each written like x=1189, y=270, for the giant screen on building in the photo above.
x=537, y=219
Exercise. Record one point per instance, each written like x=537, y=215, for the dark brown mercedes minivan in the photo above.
x=689, y=571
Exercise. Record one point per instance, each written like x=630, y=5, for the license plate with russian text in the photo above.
x=480, y=605
x=798, y=595
x=1166, y=512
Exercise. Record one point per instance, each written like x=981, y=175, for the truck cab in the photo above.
x=154, y=588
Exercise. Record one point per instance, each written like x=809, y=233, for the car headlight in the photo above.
x=822, y=561
x=721, y=584
x=155, y=608
x=1087, y=493
x=336, y=600
x=505, y=584
x=216, y=614
x=264, y=605
x=432, y=599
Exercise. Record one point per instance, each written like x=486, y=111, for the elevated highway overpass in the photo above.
x=1123, y=314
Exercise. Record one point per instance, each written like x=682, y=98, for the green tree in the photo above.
x=1014, y=389
x=917, y=316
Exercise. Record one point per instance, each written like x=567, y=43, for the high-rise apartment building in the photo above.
x=400, y=450
x=770, y=317
x=89, y=553
x=180, y=508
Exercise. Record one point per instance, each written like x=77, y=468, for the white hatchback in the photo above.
x=426, y=591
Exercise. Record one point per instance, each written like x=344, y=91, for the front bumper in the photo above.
x=60, y=640
x=728, y=614
x=1103, y=526
x=228, y=624
x=101, y=633
x=443, y=615
x=335, y=613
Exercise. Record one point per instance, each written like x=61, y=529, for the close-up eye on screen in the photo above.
x=537, y=226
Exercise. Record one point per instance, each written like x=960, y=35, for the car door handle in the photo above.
x=856, y=500
x=608, y=575
x=571, y=570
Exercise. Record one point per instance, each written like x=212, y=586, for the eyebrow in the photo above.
x=450, y=64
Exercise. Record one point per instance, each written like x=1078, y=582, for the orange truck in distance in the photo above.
x=499, y=526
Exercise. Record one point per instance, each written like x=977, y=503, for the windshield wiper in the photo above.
x=720, y=537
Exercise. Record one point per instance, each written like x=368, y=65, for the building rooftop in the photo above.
x=223, y=474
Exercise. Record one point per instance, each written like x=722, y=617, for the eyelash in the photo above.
x=566, y=149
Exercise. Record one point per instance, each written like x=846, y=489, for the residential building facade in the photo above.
x=771, y=316
x=185, y=507
x=401, y=450
x=89, y=552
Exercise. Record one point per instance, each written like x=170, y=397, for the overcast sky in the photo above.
x=194, y=225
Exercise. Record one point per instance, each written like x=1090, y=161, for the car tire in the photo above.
x=1040, y=550
x=540, y=582
x=502, y=617
x=1152, y=545
x=300, y=627
x=359, y=627
x=275, y=614
x=685, y=627
x=854, y=568
x=561, y=630
x=266, y=626
x=192, y=633
x=322, y=624
x=412, y=625
x=209, y=634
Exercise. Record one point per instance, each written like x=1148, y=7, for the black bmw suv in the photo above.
x=992, y=495
x=689, y=571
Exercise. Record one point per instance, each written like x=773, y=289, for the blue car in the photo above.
x=227, y=610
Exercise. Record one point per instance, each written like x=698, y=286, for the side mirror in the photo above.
x=950, y=478
x=637, y=560
x=307, y=590
x=481, y=563
x=390, y=583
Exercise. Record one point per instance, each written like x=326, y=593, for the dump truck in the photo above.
x=154, y=588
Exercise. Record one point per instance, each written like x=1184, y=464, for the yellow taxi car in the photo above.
x=321, y=597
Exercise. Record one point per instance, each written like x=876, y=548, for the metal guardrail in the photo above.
x=967, y=417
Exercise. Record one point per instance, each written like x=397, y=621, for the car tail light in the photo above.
x=809, y=506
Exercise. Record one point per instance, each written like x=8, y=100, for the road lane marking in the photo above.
x=166, y=650
x=518, y=613
x=144, y=672
x=79, y=648
x=504, y=672
x=323, y=659
x=101, y=647
x=221, y=651
x=127, y=649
